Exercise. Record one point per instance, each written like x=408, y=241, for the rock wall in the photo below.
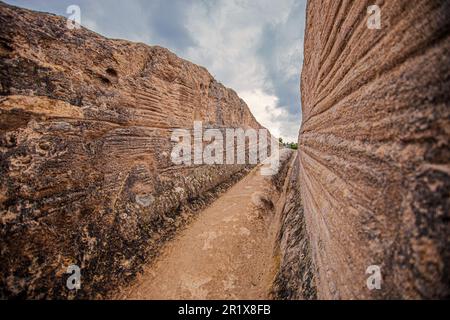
x=374, y=150
x=85, y=171
x=295, y=277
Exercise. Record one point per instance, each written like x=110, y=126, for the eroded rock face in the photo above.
x=374, y=149
x=295, y=278
x=85, y=171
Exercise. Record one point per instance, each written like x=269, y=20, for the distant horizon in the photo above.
x=252, y=47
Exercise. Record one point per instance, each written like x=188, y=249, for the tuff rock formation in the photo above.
x=85, y=171
x=373, y=164
x=86, y=176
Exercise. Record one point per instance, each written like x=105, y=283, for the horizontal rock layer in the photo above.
x=374, y=148
x=85, y=171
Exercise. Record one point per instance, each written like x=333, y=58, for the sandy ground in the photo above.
x=226, y=253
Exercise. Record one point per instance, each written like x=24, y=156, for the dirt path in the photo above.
x=226, y=253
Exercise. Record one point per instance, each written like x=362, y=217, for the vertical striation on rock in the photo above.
x=85, y=171
x=374, y=149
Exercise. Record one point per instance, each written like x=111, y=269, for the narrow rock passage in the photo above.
x=226, y=253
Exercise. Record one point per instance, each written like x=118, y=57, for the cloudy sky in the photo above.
x=252, y=46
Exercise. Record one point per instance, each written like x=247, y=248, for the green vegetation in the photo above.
x=293, y=146
x=290, y=145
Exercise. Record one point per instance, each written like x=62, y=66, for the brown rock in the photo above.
x=374, y=149
x=295, y=279
x=85, y=170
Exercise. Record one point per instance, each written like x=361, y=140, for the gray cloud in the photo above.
x=282, y=49
x=254, y=47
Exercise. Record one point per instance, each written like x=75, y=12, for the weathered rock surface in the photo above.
x=295, y=275
x=85, y=171
x=374, y=150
